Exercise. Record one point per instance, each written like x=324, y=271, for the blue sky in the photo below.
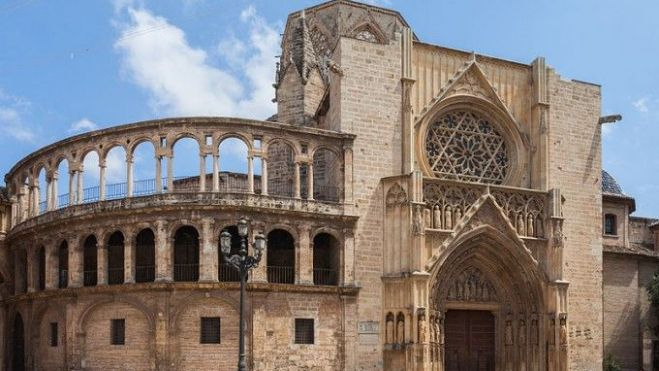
x=71, y=66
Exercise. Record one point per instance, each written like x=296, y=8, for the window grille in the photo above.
x=118, y=332
x=610, y=224
x=304, y=331
x=53, y=334
x=210, y=330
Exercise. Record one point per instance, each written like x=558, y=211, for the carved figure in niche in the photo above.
x=539, y=227
x=529, y=226
x=433, y=334
x=437, y=217
x=534, y=331
x=422, y=328
x=458, y=215
x=390, y=329
x=400, y=329
x=396, y=195
x=448, y=218
x=418, y=220
x=522, y=333
x=509, y=332
x=557, y=235
x=563, y=334
x=471, y=285
x=520, y=224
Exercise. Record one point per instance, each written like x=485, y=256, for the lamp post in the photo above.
x=242, y=263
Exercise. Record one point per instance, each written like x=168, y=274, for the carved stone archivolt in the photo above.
x=396, y=195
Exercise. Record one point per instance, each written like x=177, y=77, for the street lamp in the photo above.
x=242, y=263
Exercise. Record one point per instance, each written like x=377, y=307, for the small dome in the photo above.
x=610, y=185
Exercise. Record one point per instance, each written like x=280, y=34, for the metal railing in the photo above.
x=281, y=274
x=325, y=277
x=228, y=273
x=63, y=279
x=90, y=278
x=115, y=276
x=145, y=273
x=326, y=193
x=186, y=272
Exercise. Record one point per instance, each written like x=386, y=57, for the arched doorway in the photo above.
x=18, y=356
x=186, y=254
x=485, y=305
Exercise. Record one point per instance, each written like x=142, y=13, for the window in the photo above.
x=209, y=139
x=304, y=331
x=53, y=334
x=163, y=142
x=118, y=332
x=610, y=224
x=210, y=330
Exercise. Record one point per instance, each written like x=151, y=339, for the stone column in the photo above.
x=297, y=180
x=52, y=265
x=216, y=173
x=35, y=198
x=264, y=176
x=101, y=186
x=158, y=179
x=304, y=258
x=75, y=262
x=129, y=176
x=347, y=174
x=80, y=186
x=54, y=190
x=260, y=273
x=170, y=174
x=163, y=253
x=101, y=263
x=310, y=181
x=250, y=174
x=348, y=264
x=32, y=268
x=72, y=190
x=129, y=257
x=208, y=253
x=202, y=172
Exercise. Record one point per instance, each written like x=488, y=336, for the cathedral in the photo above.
x=425, y=208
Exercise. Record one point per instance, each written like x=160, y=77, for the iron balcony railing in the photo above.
x=281, y=274
x=145, y=273
x=325, y=277
x=228, y=183
x=228, y=273
x=90, y=278
x=63, y=278
x=186, y=272
x=115, y=276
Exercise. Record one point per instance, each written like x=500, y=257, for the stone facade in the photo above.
x=404, y=187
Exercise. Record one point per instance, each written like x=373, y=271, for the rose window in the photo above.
x=464, y=145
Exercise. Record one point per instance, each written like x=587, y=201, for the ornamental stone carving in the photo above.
x=471, y=285
x=465, y=145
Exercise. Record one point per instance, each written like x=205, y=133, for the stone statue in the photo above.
x=390, y=331
x=509, y=333
x=529, y=226
x=422, y=328
x=437, y=217
x=400, y=332
x=448, y=218
x=458, y=215
x=418, y=220
x=522, y=333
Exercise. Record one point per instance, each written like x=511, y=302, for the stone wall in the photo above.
x=574, y=166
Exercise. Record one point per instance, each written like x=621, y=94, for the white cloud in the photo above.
x=12, y=117
x=115, y=166
x=641, y=104
x=82, y=125
x=180, y=78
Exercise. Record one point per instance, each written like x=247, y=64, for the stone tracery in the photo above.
x=464, y=145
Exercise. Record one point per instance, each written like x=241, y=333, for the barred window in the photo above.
x=118, y=331
x=610, y=224
x=53, y=334
x=210, y=330
x=304, y=331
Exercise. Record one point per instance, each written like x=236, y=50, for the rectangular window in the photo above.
x=53, y=334
x=210, y=330
x=610, y=224
x=304, y=331
x=257, y=142
x=118, y=332
x=163, y=142
x=209, y=139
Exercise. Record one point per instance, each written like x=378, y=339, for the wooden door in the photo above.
x=469, y=340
